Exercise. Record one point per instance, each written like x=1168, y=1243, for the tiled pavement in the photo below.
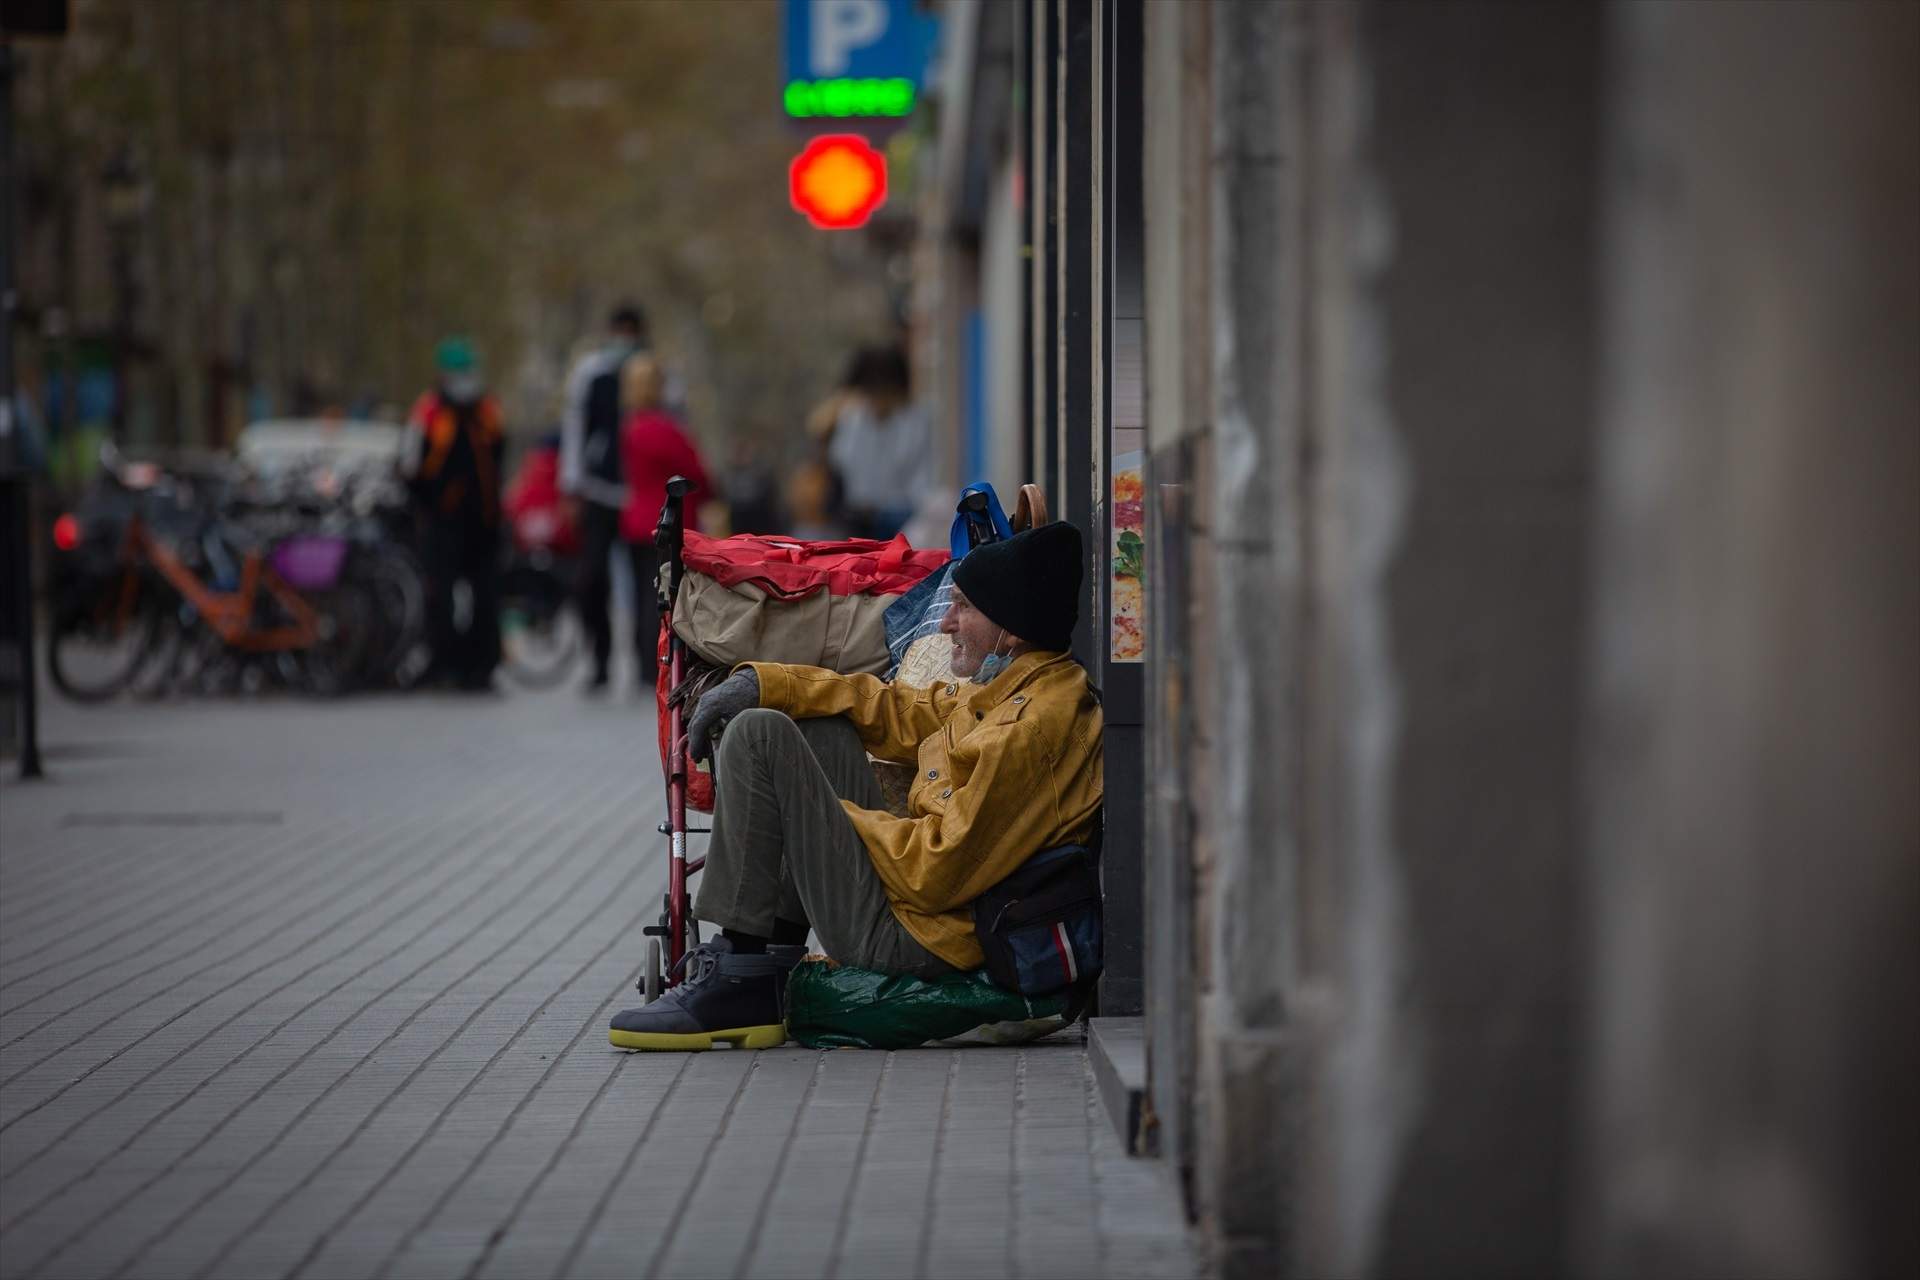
x=321, y=990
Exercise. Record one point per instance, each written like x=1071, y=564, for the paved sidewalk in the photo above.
x=291, y=989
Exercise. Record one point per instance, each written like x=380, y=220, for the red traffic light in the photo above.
x=66, y=532
x=837, y=181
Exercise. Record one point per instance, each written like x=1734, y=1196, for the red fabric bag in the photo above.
x=788, y=569
x=699, y=777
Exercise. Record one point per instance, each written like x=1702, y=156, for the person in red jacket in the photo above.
x=653, y=449
x=535, y=508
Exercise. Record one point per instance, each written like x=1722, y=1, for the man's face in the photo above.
x=974, y=637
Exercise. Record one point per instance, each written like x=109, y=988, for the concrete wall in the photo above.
x=1251, y=505
x=1551, y=867
x=1176, y=74
x=1482, y=140
x=1755, y=744
x=1399, y=429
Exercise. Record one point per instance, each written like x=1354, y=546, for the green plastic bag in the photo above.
x=834, y=1007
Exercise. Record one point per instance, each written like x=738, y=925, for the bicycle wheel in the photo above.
x=397, y=653
x=333, y=666
x=538, y=640
x=170, y=658
x=102, y=633
x=202, y=660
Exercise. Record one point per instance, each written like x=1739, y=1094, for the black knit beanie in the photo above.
x=1028, y=584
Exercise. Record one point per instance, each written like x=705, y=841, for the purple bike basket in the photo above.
x=310, y=563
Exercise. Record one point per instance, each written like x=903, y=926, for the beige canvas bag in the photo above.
x=730, y=625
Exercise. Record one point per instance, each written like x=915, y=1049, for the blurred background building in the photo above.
x=230, y=211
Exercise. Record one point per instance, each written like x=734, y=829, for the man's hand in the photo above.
x=738, y=692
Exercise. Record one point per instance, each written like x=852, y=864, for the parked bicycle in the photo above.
x=154, y=578
x=366, y=507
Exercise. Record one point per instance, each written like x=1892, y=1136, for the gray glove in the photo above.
x=738, y=692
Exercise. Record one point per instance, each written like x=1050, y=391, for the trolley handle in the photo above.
x=668, y=534
x=1030, y=508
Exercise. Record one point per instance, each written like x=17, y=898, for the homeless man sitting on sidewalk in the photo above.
x=1008, y=759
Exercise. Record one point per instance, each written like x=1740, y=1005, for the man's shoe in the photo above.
x=596, y=684
x=741, y=999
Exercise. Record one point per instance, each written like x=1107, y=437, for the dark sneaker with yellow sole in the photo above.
x=735, y=999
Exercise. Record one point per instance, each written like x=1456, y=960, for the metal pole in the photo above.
x=122, y=272
x=13, y=470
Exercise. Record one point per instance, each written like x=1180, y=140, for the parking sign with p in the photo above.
x=851, y=59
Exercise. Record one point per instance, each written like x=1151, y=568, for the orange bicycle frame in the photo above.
x=229, y=613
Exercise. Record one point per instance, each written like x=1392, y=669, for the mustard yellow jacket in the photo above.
x=1005, y=770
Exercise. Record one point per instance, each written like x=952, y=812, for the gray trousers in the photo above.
x=783, y=847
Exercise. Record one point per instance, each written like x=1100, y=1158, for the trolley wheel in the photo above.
x=650, y=979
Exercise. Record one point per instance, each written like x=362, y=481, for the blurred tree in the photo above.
x=334, y=183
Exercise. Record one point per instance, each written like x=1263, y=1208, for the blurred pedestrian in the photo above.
x=590, y=473
x=810, y=504
x=751, y=492
x=654, y=448
x=881, y=446
x=452, y=463
x=536, y=514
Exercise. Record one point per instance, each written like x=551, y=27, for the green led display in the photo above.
x=842, y=99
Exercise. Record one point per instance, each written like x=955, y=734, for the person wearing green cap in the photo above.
x=455, y=440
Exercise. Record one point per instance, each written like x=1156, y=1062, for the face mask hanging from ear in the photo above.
x=993, y=664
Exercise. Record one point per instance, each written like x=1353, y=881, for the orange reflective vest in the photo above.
x=460, y=454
